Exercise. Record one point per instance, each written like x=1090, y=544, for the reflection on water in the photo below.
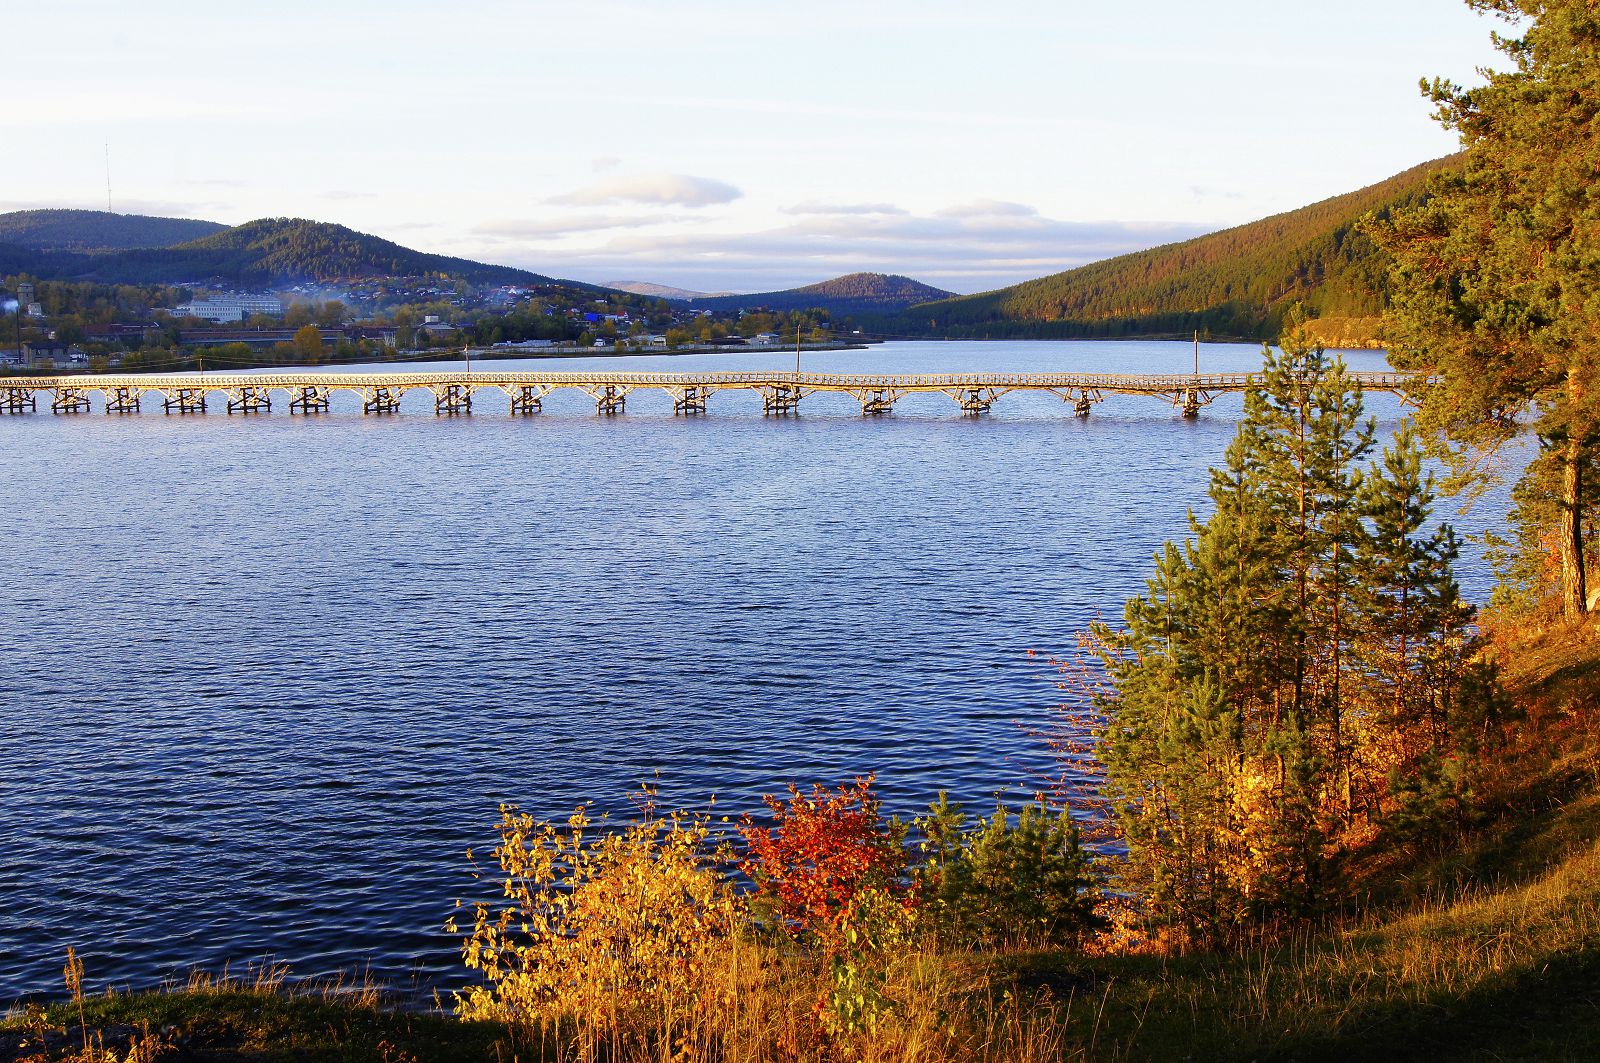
x=267, y=678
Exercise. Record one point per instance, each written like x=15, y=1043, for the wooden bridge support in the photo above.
x=452, y=399
x=18, y=400
x=528, y=399
x=974, y=402
x=69, y=400
x=310, y=400
x=380, y=400
x=1191, y=402
x=780, y=400
x=1083, y=402
x=876, y=401
x=689, y=400
x=184, y=400
x=610, y=400
x=122, y=400
x=249, y=400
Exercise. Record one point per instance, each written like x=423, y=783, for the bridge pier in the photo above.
x=249, y=400
x=1083, y=405
x=610, y=400
x=528, y=399
x=780, y=400
x=185, y=400
x=877, y=401
x=452, y=399
x=310, y=400
x=122, y=400
x=689, y=400
x=16, y=400
x=974, y=402
x=69, y=400
x=380, y=400
x=1191, y=403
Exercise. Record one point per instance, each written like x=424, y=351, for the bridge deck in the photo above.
x=454, y=389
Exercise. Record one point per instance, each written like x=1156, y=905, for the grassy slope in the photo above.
x=1491, y=952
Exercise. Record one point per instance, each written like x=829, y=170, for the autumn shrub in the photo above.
x=1003, y=881
x=602, y=928
x=830, y=874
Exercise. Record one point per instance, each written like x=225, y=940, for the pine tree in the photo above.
x=1495, y=287
x=1298, y=649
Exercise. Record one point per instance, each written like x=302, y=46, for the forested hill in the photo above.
x=1235, y=283
x=98, y=230
x=270, y=251
x=854, y=292
x=287, y=250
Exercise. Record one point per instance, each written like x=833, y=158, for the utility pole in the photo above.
x=797, y=350
x=1197, y=353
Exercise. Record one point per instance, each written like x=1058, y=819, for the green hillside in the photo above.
x=266, y=252
x=98, y=230
x=1235, y=283
x=286, y=250
x=852, y=293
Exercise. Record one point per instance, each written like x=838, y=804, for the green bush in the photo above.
x=1003, y=880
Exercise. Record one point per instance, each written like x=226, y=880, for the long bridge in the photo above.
x=453, y=392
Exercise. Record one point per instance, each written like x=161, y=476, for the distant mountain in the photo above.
x=98, y=230
x=267, y=252
x=1235, y=283
x=660, y=291
x=860, y=292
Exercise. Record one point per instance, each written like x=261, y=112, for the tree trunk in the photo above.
x=1574, y=593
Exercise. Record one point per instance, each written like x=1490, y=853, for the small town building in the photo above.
x=224, y=308
x=46, y=354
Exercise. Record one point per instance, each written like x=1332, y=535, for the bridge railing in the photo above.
x=1136, y=382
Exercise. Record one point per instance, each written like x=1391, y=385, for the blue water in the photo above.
x=266, y=679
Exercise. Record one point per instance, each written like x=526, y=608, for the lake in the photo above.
x=268, y=678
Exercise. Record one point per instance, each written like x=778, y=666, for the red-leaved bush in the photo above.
x=826, y=854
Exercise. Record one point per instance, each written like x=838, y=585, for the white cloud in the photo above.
x=989, y=246
x=568, y=224
x=988, y=208
x=812, y=207
x=677, y=190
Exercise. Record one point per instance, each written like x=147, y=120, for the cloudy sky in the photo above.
x=740, y=145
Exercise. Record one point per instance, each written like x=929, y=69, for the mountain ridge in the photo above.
x=1238, y=282
x=851, y=292
x=661, y=291
x=265, y=252
x=61, y=229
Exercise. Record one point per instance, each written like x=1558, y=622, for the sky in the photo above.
x=730, y=145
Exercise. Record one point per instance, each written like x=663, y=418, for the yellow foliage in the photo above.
x=595, y=924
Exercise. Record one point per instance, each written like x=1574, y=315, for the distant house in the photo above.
x=384, y=334
x=764, y=339
x=45, y=354
x=656, y=341
x=437, y=328
x=264, y=337
x=134, y=335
